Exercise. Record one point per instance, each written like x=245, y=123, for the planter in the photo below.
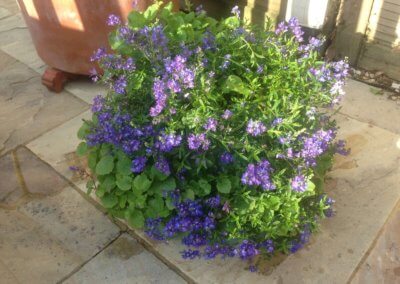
x=66, y=32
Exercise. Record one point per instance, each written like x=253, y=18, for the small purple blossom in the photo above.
x=120, y=84
x=299, y=183
x=227, y=114
x=190, y=254
x=235, y=11
x=255, y=128
x=98, y=103
x=258, y=175
x=113, y=20
x=198, y=142
x=211, y=124
x=162, y=165
x=138, y=164
x=226, y=158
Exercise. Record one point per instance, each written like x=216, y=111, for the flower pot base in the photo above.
x=55, y=79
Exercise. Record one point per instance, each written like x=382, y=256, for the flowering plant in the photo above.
x=215, y=131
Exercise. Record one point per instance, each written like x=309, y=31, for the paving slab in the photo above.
x=85, y=89
x=58, y=145
x=47, y=238
x=371, y=105
x=27, y=108
x=382, y=264
x=39, y=178
x=10, y=185
x=10, y=5
x=125, y=261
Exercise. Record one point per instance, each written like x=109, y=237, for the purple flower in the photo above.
x=299, y=183
x=255, y=128
x=340, y=148
x=258, y=175
x=226, y=62
x=253, y=268
x=163, y=166
x=214, y=202
x=316, y=145
x=113, y=20
x=166, y=142
x=190, y=254
x=226, y=158
x=247, y=250
x=98, y=54
x=211, y=124
x=260, y=69
x=277, y=121
x=98, y=103
x=198, y=142
x=227, y=114
x=138, y=164
x=120, y=84
x=235, y=11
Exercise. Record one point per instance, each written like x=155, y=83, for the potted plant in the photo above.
x=66, y=32
x=215, y=131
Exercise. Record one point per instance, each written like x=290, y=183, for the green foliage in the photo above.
x=259, y=76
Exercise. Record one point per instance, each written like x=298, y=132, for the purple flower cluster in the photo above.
x=316, y=145
x=166, y=142
x=138, y=164
x=299, y=183
x=226, y=158
x=292, y=25
x=211, y=124
x=258, y=175
x=162, y=165
x=116, y=130
x=198, y=142
x=113, y=20
x=177, y=77
x=227, y=114
x=302, y=239
x=255, y=128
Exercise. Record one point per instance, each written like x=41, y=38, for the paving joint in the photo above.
x=85, y=262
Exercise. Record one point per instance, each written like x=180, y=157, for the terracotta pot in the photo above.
x=66, y=32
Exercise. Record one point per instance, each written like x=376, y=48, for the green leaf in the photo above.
x=151, y=12
x=83, y=130
x=108, y=182
x=124, y=182
x=109, y=200
x=89, y=186
x=136, y=20
x=205, y=186
x=234, y=84
x=157, y=203
x=122, y=201
x=141, y=183
x=224, y=185
x=156, y=174
x=82, y=149
x=105, y=165
x=189, y=194
x=124, y=165
x=159, y=187
x=92, y=159
x=134, y=218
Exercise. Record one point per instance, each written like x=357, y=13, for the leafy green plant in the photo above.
x=215, y=131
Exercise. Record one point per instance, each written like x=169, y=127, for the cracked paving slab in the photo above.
x=27, y=108
x=47, y=238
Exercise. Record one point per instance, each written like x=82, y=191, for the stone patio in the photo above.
x=51, y=231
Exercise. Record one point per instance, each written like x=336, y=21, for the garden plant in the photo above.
x=214, y=131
